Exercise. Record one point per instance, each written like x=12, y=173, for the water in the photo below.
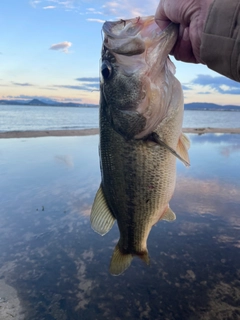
x=212, y=119
x=24, y=118
x=53, y=266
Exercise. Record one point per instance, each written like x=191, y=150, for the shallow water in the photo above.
x=25, y=118
x=59, y=267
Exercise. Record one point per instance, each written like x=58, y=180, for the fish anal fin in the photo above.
x=119, y=262
x=101, y=217
x=182, y=148
x=168, y=215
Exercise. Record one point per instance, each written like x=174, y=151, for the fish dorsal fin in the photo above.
x=168, y=215
x=182, y=148
x=101, y=217
x=119, y=262
x=157, y=139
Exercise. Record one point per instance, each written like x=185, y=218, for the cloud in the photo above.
x=130, y=9
x=34, y=3
x=88, y=79
x=49, y=7
x=68, y=87
x=96, y=20
x=220, y=84
x=87, y=84
x=62, y=46
x=24, y=97
x=67, y=4
x=93, y=11
x=204, y=92
x=83, y=87
x=71, y=100
x=111, y=9
x=22, y=84
x=184, y=87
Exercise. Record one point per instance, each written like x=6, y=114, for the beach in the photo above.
x=94, y=131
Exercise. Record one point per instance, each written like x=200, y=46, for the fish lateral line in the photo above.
x=155, y=137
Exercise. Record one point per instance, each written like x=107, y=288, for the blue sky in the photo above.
x=51, y=48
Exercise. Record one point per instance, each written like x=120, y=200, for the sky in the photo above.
x=51, y=49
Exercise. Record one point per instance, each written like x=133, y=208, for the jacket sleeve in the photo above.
x=220, y=45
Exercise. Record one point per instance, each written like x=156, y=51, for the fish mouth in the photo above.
x=135, y=36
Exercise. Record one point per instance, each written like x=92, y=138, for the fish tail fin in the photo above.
x=144, y=257
x=119, y=262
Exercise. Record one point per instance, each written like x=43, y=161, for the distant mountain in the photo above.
x=10, y=102
x=210, y=107
x=36, y=102
x=44, y=102
x=47, y=102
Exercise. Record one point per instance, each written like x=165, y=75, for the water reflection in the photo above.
x=57, y=267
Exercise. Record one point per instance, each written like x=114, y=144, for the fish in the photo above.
x=141, y=114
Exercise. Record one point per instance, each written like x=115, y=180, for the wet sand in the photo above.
x=48, y=133
x=93, y=131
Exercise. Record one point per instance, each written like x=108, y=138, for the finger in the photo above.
x=183, y=48
x=160, y=17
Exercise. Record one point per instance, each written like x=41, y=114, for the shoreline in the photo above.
x=94, y=131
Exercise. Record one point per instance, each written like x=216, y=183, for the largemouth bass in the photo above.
x=141, y=113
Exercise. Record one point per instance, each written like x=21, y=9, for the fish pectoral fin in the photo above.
x=119, y=262
x=101, y=217
x=168, y=215
x=157, y=139
x=182, y=148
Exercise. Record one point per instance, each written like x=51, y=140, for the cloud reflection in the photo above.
x=66, y=160
x=214, y=197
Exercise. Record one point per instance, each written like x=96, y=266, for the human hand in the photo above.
x=191, y=16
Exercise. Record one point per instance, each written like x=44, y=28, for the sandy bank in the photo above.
x=87, y=132
x=46, y=133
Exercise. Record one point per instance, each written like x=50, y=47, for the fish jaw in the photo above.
x=137, y=51
x=135, y=36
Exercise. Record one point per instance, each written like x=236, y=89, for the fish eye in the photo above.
x=106, y=70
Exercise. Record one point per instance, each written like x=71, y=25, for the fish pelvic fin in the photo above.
x=168, y=215
x=157, y=139
x=101, y=217
x=182, y=148
x=119, y=262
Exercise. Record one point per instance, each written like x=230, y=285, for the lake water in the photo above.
x=54, y=267
x=24, y=118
